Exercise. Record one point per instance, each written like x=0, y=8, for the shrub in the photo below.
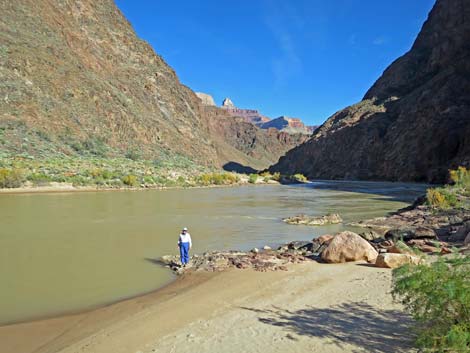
x=133, y=154
x=442, y=198
x=11, y=178
x=253, y=178
x=438, y=297
x=39, y=178
x=130, y=180
x=276, y=176
x=300, y=178
x=460, y=177
x=217, y=179
x=148, y=180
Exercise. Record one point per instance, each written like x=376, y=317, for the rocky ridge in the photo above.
x=413, y=124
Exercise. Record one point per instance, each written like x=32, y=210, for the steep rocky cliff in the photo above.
x=413, y=124
x=76, y=81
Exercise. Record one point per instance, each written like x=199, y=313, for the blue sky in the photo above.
x=298, y=58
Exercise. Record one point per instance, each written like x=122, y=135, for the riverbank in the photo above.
x=309, y=307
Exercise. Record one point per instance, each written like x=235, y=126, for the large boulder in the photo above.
x=390, y=260
x=348, y=246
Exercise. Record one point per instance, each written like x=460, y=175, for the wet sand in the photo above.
x=310, y=307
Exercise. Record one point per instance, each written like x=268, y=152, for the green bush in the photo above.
x=438, y=297
x=130, y=180
x=217, y=179
x=11, y=178
x=442, y=198
x=39, y=178
x=148, y=180
x=253, y=178
x=277, y=176
x=460, y=177
x=300, y=178
x=133, y=154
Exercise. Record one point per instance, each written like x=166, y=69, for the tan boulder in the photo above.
x=348, y=246
x=390, y=260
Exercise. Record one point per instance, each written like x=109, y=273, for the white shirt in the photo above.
x=185, y=238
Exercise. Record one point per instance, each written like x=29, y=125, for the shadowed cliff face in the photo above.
x=75, y=80
x=413, y=124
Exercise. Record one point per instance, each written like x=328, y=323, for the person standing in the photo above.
x=184, y=243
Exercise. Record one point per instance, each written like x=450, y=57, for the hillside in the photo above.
x=77, y=82
x=413, y=124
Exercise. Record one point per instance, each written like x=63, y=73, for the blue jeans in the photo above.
x=184, y=253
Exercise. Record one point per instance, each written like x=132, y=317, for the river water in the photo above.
x=66, y=252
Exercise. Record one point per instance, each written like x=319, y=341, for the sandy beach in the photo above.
x=311, y=307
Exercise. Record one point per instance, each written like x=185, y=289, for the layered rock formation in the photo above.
x=255, y=148
x=292, y=125
x=413, y=124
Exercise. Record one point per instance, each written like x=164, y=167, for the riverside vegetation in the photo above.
x=130, y=172
x=438, y=294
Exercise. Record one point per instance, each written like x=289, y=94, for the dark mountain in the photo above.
x=414, y=122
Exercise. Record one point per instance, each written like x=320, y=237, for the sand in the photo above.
x=311, y=307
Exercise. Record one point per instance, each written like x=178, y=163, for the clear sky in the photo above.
x=301, y=58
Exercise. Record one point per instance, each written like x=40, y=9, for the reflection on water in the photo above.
x=71, y=251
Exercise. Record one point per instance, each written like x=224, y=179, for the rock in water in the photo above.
x=390, y=260
x=314, y=220
x=348, y=246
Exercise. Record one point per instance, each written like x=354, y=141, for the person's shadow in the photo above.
x=359, y=324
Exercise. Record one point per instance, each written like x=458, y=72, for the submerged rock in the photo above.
x=333, y=218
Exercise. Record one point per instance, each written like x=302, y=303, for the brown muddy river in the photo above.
x=67, y=252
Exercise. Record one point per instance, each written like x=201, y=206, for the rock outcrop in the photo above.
x=413, y=124
x=206, y=99
x=291, y=125
x=348, y=246
x=227, y=103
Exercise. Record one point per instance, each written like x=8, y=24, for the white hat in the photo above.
x=185, y=228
